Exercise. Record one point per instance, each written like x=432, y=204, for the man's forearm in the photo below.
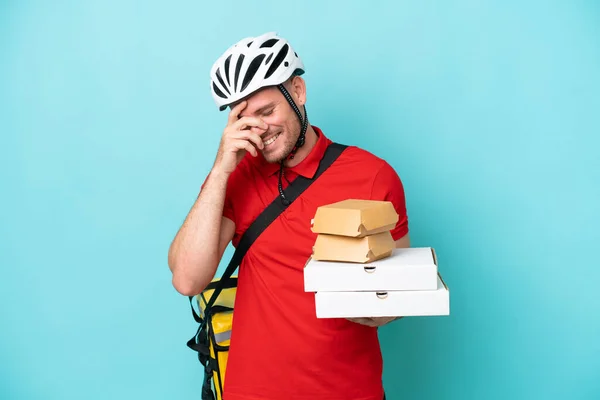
x=194, y=254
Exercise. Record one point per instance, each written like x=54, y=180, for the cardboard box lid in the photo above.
x=350, y=249
x=405, y=269
x=355, y=218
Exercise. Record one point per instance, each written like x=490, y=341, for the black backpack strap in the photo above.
x=270, y=214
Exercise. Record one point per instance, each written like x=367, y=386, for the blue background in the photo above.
x=489, y=111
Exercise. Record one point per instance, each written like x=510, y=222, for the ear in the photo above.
x=298, y=90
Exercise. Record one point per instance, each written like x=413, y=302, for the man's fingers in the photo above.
x=252, y=150
x=246, y=145
x=373, y=322
x=248, y=135
x=235, y=112
x=362, y=321
x=256, y=139
x=248, y=122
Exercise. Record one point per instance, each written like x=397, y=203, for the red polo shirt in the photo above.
x=279, y=349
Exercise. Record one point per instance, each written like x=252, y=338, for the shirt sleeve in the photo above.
x=387, y=186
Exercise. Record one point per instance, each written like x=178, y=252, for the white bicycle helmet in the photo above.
x=251, y=64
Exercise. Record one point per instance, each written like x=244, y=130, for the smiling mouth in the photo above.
x=271, y=140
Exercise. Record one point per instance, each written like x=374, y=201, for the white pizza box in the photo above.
x=406, y=269
x=401, y=303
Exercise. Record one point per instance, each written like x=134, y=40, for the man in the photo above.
x=279, y=349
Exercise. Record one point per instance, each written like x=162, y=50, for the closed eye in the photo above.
x=269, y=112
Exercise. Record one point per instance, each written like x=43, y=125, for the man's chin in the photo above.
x=276, y=157
x=271, y=159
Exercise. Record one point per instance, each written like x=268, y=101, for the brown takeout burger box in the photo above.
x=350, y=249
x=355, y=218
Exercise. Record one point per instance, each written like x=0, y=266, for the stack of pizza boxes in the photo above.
x=356, y=270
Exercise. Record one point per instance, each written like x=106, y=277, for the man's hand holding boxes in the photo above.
x=356, y=271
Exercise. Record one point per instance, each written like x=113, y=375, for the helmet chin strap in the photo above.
x=303, y=121
x=299, y=142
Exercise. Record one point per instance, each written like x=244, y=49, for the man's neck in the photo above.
x=304, y=151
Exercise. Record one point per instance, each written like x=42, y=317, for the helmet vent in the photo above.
x=269, y=43
x=218, y=91
x=218, y=72
x=238, y=67
x=252, y=70
x=227, y=69
x=277, y=61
